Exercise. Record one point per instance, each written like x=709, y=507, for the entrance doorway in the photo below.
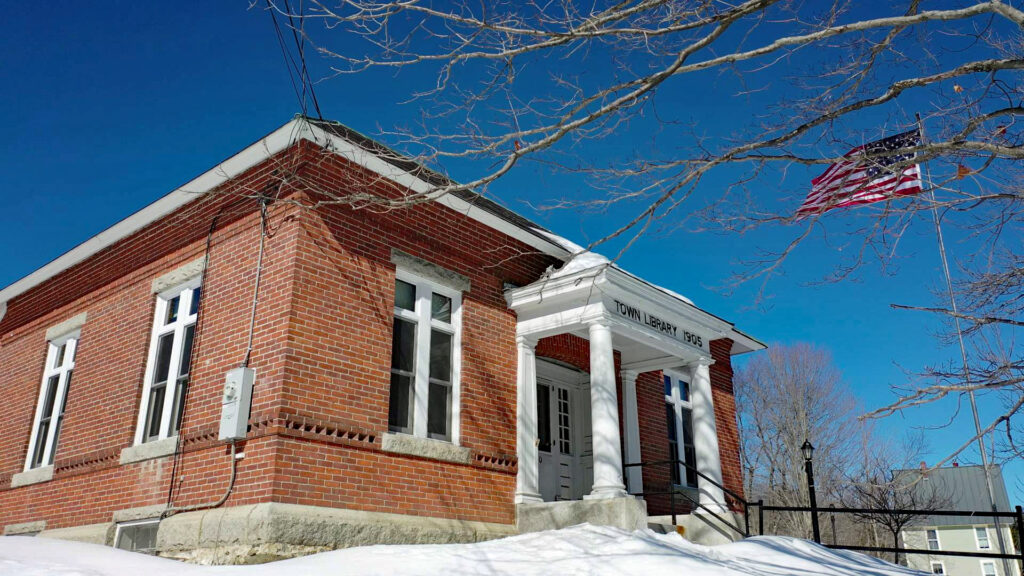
x=565, y=448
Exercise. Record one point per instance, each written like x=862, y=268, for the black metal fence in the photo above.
x=677, y=494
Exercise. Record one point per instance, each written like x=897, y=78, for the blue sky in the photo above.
x=107, y=110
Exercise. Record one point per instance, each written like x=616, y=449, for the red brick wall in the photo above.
x=344, y=284
x=103, y=402
x=654, y=432
x=725, y=415
x=650, y=403
x=321, y=354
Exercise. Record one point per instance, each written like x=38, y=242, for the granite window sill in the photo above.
x=33, y=476
x=149, y=450
x=424, y=448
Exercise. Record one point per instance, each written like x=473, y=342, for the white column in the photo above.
x=604, y=415
x=631, y=424
x=705, y=436
x=527, y=480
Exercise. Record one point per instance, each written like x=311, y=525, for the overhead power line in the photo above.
x=298, y=72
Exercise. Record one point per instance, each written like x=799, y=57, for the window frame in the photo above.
x=940, y=564
x=133, y=524
x=977, y=539
x=928, y=541
x=63, y=373
x=159, y=329
x=678, y=404
x=995, y=570
x=425, y=324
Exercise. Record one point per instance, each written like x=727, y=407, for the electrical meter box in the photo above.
x=234, y=415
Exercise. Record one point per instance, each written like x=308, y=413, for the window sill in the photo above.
x=149, y=450
x=424, y=448
x=33, y=476
x=25, y=528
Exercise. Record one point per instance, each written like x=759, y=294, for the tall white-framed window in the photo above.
x=425, y=359
x=981, y=536
x=938, y=567
x=932, y=535
x=679, y=420
x=988, y=568
x=169, y=364
x=53, y=397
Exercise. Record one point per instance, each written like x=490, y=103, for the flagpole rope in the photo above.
x=963, y=351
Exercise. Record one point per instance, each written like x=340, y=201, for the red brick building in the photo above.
x=230, y=376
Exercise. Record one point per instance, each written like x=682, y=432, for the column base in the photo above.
x=528, y=499
x=605, y=492
x=625, y=513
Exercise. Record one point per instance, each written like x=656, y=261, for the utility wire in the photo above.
x=289, y=61
x=300, y=44
x=297, y=70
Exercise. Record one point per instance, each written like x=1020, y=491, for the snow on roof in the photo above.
x=582, y=549
x=582, y=259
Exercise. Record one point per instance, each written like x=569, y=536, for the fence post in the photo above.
x=760, y=517
x=746, y=519
x=672, y=503
x=1020, y=536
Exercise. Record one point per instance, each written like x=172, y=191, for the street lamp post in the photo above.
x=808, y=452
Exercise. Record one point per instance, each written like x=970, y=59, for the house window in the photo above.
x=988, y=569
x=933, y=539
x=137, y=536
x=679, y=421
x=938, y=568
x=425, y=348
x=981, y=535
x=53, y=397
x=169, y=364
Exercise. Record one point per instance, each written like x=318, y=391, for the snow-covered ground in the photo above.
x=581, y=549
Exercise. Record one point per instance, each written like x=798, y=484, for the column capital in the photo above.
x=526, y=342
x=629, y=375
x=702, y=361
x=599, y=323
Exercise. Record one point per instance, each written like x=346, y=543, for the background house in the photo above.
x=965, y=488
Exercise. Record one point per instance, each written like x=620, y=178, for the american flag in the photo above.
x=863, y=177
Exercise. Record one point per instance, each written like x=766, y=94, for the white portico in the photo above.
x=651, y=329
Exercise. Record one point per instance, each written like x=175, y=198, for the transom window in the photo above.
x=981, y=535
x=53, y=397
x=933, y=539
x=678, y=419
x=169, y=364
x=424, y=359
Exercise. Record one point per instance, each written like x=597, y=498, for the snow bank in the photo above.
x=584, y=549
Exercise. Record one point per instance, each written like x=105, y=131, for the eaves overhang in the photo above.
x=574, y=291
x=327, y=135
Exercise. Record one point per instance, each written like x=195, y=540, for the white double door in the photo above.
x=565, y=446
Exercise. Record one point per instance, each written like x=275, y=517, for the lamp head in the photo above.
x=808, y=450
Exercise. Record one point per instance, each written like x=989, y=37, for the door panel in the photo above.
x=548, y=463
x=565, y=447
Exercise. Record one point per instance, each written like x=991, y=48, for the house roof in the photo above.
x=358, y=148
x=966, y=489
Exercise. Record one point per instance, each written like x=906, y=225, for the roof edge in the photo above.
x=349, y=144
x=222, y=172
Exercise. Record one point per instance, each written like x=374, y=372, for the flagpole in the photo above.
x=963, y=356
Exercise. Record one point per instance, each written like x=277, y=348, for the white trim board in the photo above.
x=291, y=132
